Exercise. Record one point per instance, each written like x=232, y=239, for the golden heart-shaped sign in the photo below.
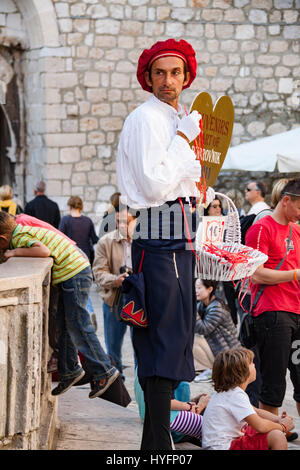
x=217, y=131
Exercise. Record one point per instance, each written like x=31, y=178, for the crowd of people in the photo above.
x=193, y=328
x=216, y=339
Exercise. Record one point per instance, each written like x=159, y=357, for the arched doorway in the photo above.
x=6, y=166
x=22, y=146
x=10, y=119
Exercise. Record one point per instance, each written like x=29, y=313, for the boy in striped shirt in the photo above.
x=72, y=273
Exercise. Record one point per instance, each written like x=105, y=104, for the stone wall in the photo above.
x=79, y=65
x=239, y=180
x=28, y=412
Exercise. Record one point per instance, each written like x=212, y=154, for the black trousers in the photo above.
x=231, y=295
x=158, y=393
x=278, y=339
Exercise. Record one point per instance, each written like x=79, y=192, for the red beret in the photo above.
x=170, y=47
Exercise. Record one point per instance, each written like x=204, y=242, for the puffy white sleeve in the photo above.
x=157, y=162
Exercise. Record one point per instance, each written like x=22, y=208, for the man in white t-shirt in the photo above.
x=230, y=422
x=255, y=194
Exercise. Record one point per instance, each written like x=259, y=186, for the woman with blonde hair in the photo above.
x=276, y=191
x=6, y=202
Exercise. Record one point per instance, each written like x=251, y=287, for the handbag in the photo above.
x=134, y=309
x=116, y=304
x=247, y=335
x=117, y=392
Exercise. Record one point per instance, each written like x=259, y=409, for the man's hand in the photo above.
x=119, y=281
x=189, y=126
x=288, y=422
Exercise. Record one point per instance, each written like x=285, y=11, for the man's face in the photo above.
x=291, y=209
x=167, y=79
x=251, y=192
x=124, y=221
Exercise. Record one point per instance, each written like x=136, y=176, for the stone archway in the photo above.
x=9, y=119
x=40, y=21
x=6, y=170
x=24, y=153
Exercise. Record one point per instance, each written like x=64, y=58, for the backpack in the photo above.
x=246, y=221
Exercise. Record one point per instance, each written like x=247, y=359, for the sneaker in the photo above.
x=100, y=386
x=204, y=376
x=291, y=436
x=65, y=385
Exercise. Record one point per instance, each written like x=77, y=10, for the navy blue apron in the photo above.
x=165, y=347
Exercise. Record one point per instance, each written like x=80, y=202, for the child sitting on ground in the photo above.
x=186, y=413
x=230, y=422
x=72, y=273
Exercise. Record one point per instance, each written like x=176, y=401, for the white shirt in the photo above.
x=127, y=252
x=154, y=165
x=258, y=207
x=223, y=418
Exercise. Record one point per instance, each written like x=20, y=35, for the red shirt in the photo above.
x=24, y=219
x=270, y=237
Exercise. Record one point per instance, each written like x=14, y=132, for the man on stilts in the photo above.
x=157, y=174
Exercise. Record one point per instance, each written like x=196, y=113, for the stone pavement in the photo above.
x=96, y=424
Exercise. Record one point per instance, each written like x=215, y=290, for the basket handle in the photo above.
x=234, y=215
x=230, y=203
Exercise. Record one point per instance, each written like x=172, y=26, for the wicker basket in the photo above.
x=213, y=267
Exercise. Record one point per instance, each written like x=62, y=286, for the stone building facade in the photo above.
x=67, y=81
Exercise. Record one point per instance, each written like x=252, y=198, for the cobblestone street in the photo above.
x=100, y=425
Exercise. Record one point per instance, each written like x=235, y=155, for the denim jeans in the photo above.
x=114, y=332
x=90, y=307
x=76, y=332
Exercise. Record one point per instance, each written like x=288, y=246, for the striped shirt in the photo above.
x=67, y=259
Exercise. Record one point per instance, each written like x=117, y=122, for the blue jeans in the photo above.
x=90, y=307
x=76, y=332
x=114, y=332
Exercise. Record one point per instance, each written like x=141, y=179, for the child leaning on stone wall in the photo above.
x=73, y=275
x=230, y=422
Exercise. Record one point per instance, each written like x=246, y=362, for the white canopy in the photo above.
x=263, y=154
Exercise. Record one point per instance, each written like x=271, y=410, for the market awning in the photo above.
x=263, y=154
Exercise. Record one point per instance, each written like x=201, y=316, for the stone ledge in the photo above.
x=22, y=280
x=27, y=410
x=18, y=272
